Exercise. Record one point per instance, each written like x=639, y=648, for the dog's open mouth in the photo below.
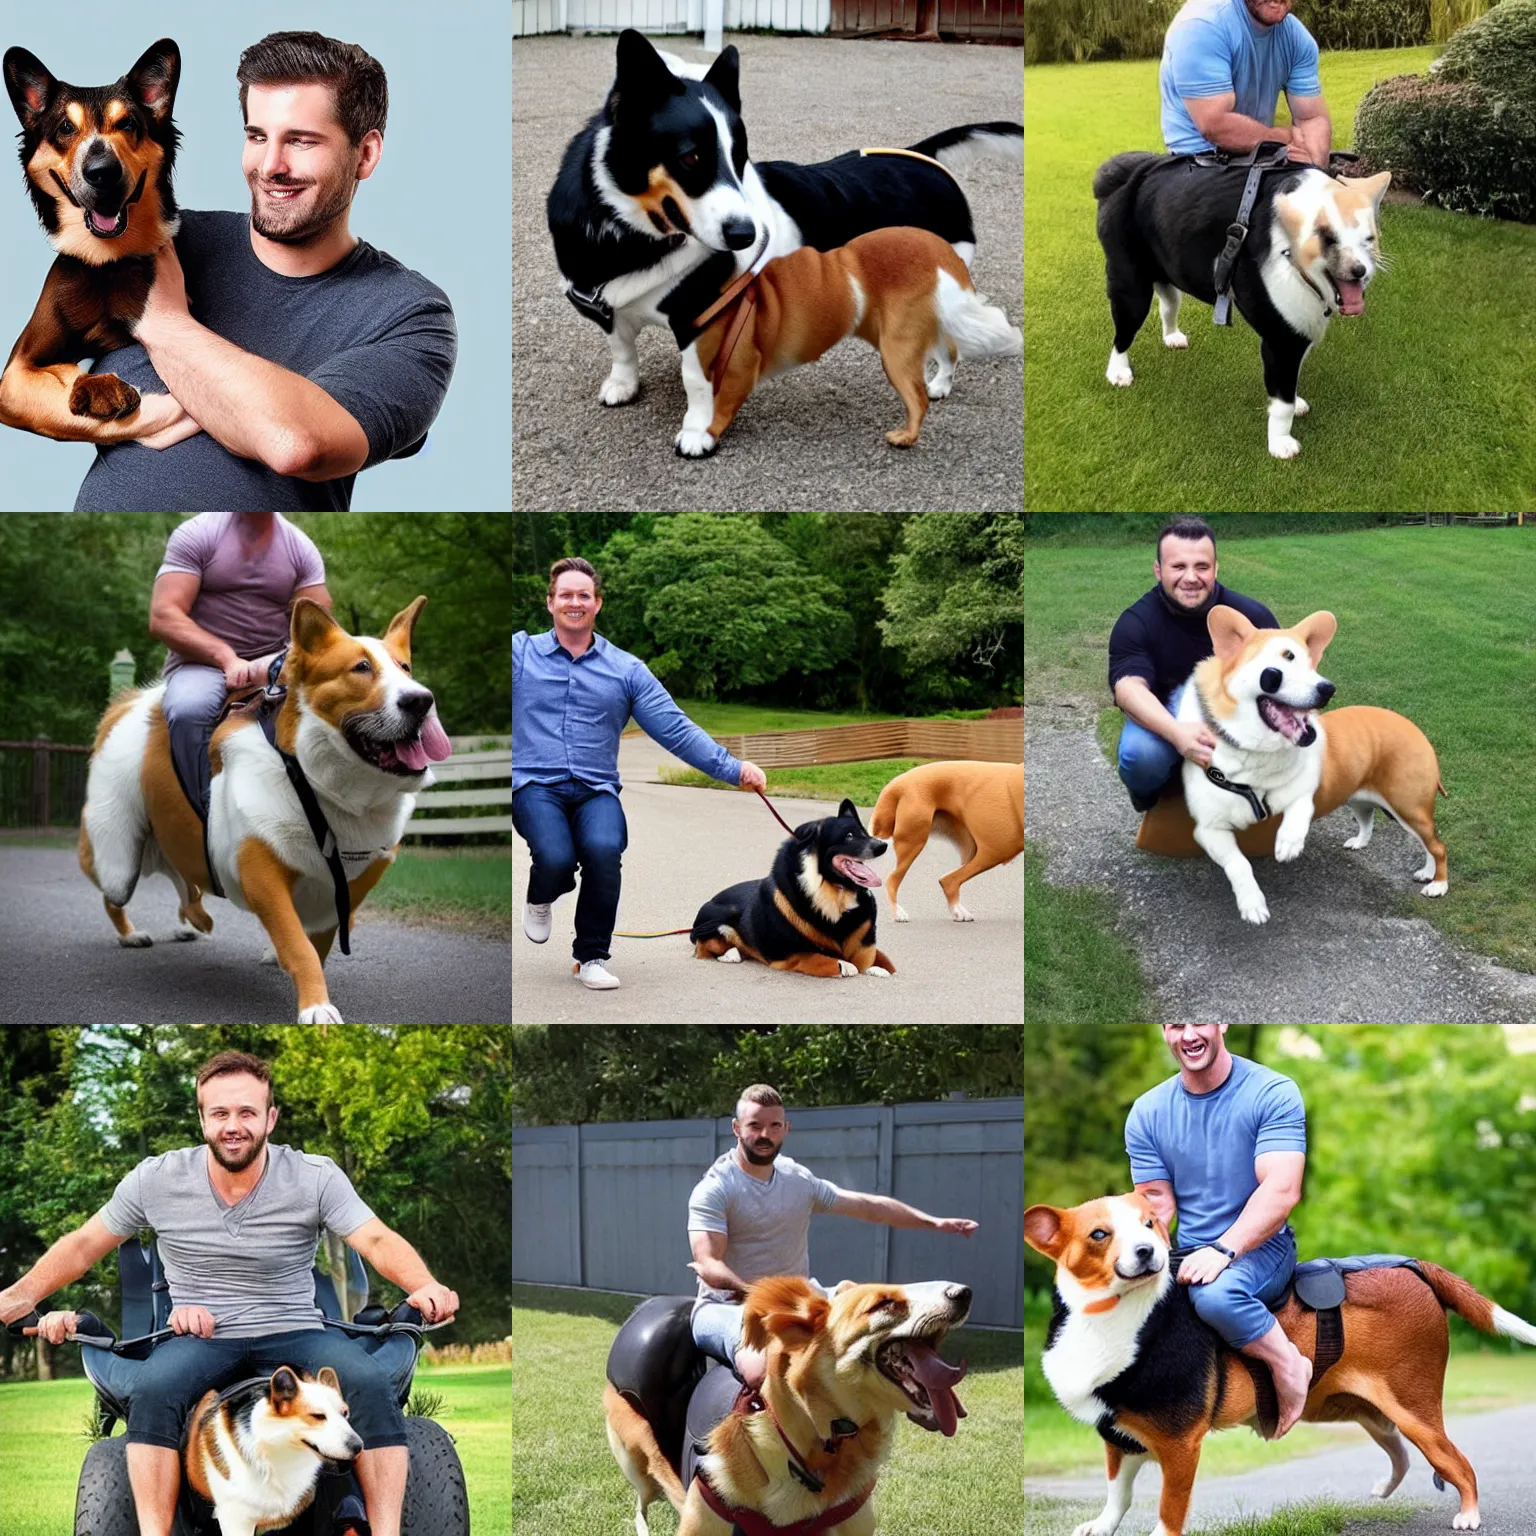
x=928, y=1380
x=1348, y=295
x=855, y=869
x=1293, y=724
x=106, y=226
x=405, y=755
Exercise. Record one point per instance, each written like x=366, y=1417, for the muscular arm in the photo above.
x=881, y=1208
x=1270, y=1205
x=1226, y=129
x=64, y=1263
x=1136, y=698
x=709, y=1262
x=1309, y=114
x=171, y=621
x=1160, y=1193
x=391, y=1255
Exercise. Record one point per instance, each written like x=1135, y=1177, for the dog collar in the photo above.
x=1255, y=801
x=750, y=1522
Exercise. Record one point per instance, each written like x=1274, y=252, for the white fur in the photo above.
x=1118, y=1502
x=115, y=817
x=978, y=329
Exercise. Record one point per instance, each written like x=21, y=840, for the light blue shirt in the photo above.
x=568, y=713
x=1213, y=47
x=1204, y=1144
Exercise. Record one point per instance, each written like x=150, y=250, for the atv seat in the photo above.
x=654, y=1366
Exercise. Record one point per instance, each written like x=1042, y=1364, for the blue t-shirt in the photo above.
x=1204, y=1144
x=1213, y=47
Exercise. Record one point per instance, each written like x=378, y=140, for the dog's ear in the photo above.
x=284, y=1386
x=725, y=75
x=1316, y=630
x=1042, y=1229
x=403, y=625
x=785, y=1309
x=29, y=84
x=641, y=78
x=310, y=627
x=848, y=808
x=328, y=1378
x=1229, y=630
x=152, y=80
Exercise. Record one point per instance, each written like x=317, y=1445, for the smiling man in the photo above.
x=279, y=354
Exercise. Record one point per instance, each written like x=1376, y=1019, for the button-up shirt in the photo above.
x=568, y=712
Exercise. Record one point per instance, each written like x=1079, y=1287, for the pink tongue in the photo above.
x=431, y=744
x=101, y=223
x=1351, y=298
x=856, y=871
x=940, y=1380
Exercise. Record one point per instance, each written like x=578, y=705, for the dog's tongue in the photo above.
x=856, y=870
x=939, y=1378
x=432, y=744
x=1351, y=297
x=101, y=223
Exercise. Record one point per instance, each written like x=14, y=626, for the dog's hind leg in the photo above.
x=942, y=382
x=1364, y=812
x=1384, y=1432
x=1168, y=300
x=903, y=359
x=1427, y=1431
x=1130, y=297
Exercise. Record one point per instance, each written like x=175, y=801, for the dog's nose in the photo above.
x=1325, y=690
x=739, y=232
x=102, y=169
x=959, y=1294
x=1270, y=679
x=416, y=705
x=1143, y=1254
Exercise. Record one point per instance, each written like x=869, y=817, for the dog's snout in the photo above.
x=102, y=169
x=738, y=232
x=416, y=705
x=1143, y=1255
x=959, y=1294
x=1325, y=690
x=1270, y=679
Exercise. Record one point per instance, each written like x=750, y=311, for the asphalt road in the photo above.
x=1497, y=1444
x=813, y=438
x=1334, y=951
x=64, y=965
x=686, y=844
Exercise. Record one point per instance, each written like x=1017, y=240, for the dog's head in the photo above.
x=98, y=159
x=1330, y=229
x=830, y=859
x=1262, y=685
x=1103, y=1249
x=672, y=157
x=305, y=1410
x=871, y=1351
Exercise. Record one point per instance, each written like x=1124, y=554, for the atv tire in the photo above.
x=436, y=1502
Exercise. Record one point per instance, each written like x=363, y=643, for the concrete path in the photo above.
x=686, y=844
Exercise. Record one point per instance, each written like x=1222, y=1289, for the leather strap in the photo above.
x=746, y=307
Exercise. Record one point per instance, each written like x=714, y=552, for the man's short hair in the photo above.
x=1184, y=528
x=760, y=1093
x=356, y=78
x=230, y=1063
x=575, y=563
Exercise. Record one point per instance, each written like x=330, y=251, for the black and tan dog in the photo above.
x=98, y=164
x=904, y=290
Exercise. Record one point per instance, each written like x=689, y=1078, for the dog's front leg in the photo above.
x=268, y=888
x=623, y=381
x=695, y=440
x=1121, y=1470
x=1292, y=832
x=1221, y=845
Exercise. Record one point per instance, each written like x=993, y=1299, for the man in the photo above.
x=294, y=353
x=237, y=1222
x=1225, y=63
x=221, y=601
x=1155, y=646
x=1220, y=1148
x=750, y=1216
x=572, y=695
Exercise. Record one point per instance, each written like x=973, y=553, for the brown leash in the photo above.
x=741, y=291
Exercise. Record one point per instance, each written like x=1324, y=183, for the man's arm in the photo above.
x=709, y=1264
x=1160, y=1193
x=1309, y=115
x=399, y=1263
x=64, y=1263
x=1226, y=129
x=893, y=1213
x=1270, y=1205
x=254, y=408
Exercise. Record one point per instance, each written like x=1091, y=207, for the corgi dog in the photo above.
x=1259, y=693
x=256, y=1452
x=1127, y=1353
x=348, y=721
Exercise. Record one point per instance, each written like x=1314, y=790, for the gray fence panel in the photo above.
x=606, y=1206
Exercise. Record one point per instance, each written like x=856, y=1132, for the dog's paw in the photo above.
x=1288, y=846
x=1119, y=370
x=877, y=970
x=1359, y=840
x=960, y=914
x=694, y=444
x=1254, y=911
x=902, y=437
x=844, y=968
x=1301, y=406
x=900, y=914
x=730, y=957
x=617, y=391
x=1436, y=888
x=185, y=933
x=103, y=397
x=939, y=388
x=322, y=1014
x=1468, y=1520
x=1284, y=446
x=1176, y=339
x=138, y=939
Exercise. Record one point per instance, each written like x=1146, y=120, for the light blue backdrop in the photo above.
x=439, y=202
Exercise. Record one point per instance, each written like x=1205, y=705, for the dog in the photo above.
x=813, y=913
x=839, y=1372
x=1312, y=248
x=98, y=163
x=1127, y=1353
x=348, y=720
x=659, y=181
x=977, y=806
x=257, y=1452
x=1274, y=755
x=902, y=290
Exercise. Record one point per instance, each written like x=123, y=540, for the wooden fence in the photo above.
x=983, y=741
x=476, y=759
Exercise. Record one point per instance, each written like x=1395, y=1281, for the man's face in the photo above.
x=1186, y=570
x=760, y=1130
x=1195, y=1047
x=575, y=605
x=1269, y=13
x=237, y=1117
x=301, y=167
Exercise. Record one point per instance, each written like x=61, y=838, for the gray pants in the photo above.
x=193, y=698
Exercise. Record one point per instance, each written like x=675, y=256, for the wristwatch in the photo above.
x=1219, y=1249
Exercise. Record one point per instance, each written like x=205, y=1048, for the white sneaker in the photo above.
x=593, y=975
x=537, y=921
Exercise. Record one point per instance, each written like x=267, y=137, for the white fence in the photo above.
x=475, y=759
x=658, y=16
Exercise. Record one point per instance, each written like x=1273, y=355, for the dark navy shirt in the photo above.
x=568, y=713
x=1162, y=643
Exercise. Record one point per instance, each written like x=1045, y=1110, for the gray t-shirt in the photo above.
x=248, y=1264
x=767, y=1221
x=378, y=338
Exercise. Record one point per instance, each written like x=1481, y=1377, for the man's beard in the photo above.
x=280, y=225
x=236, y=1159
x=756, y=1158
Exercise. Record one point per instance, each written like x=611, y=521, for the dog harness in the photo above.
x=1262, y=157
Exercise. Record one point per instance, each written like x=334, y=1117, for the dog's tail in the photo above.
x=1460, y=1297
x=1116, y=172
x=956, y=148
x=978, y=329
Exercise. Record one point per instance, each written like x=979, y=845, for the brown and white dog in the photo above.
x=840, y=1373
x=363, y=732
x=1127, y=1354
x=903, y=290
x=977, y=806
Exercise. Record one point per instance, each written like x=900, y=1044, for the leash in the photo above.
x=741, y=291
x=1237, y=230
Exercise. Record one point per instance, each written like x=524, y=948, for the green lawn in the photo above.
x=565, y=1482
x=1421, y=404
x=42, y=1443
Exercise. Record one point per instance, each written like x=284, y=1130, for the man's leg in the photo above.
x=193, y=697
x=539, y=814
x=717, y=1331
x=154, y=1473
x=1290, y=1368
x=381, y=1473
x=601, y=835
x=1146, y=762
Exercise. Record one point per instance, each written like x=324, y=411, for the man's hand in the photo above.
x=160, y=421
x=1202, y=1266
x=198, y=1320
x=954, y=1224
x=1195, y=742
x=14, y=1303
x=239, y=673
x=435, y=1302
x=753, y=777
x=56, y=1327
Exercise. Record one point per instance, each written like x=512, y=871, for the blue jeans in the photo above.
x=1235, y=1302
x=1145, y=760
x=717, y=1330
x=161, y=1390
x=193, y=698
x=572, y=823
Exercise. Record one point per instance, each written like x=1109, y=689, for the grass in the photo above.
x=565, y=1482
x=468, y=888
x=1421, y=404
x=42, y=1443
x=1325, y=1517
x=1435, y=623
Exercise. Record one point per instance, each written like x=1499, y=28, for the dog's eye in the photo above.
x=1098, y=1235
x=129, y=124
x=363, y=666
x=405, y=666
x=64, y=130
x=316, y=1418
x=690, y=161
